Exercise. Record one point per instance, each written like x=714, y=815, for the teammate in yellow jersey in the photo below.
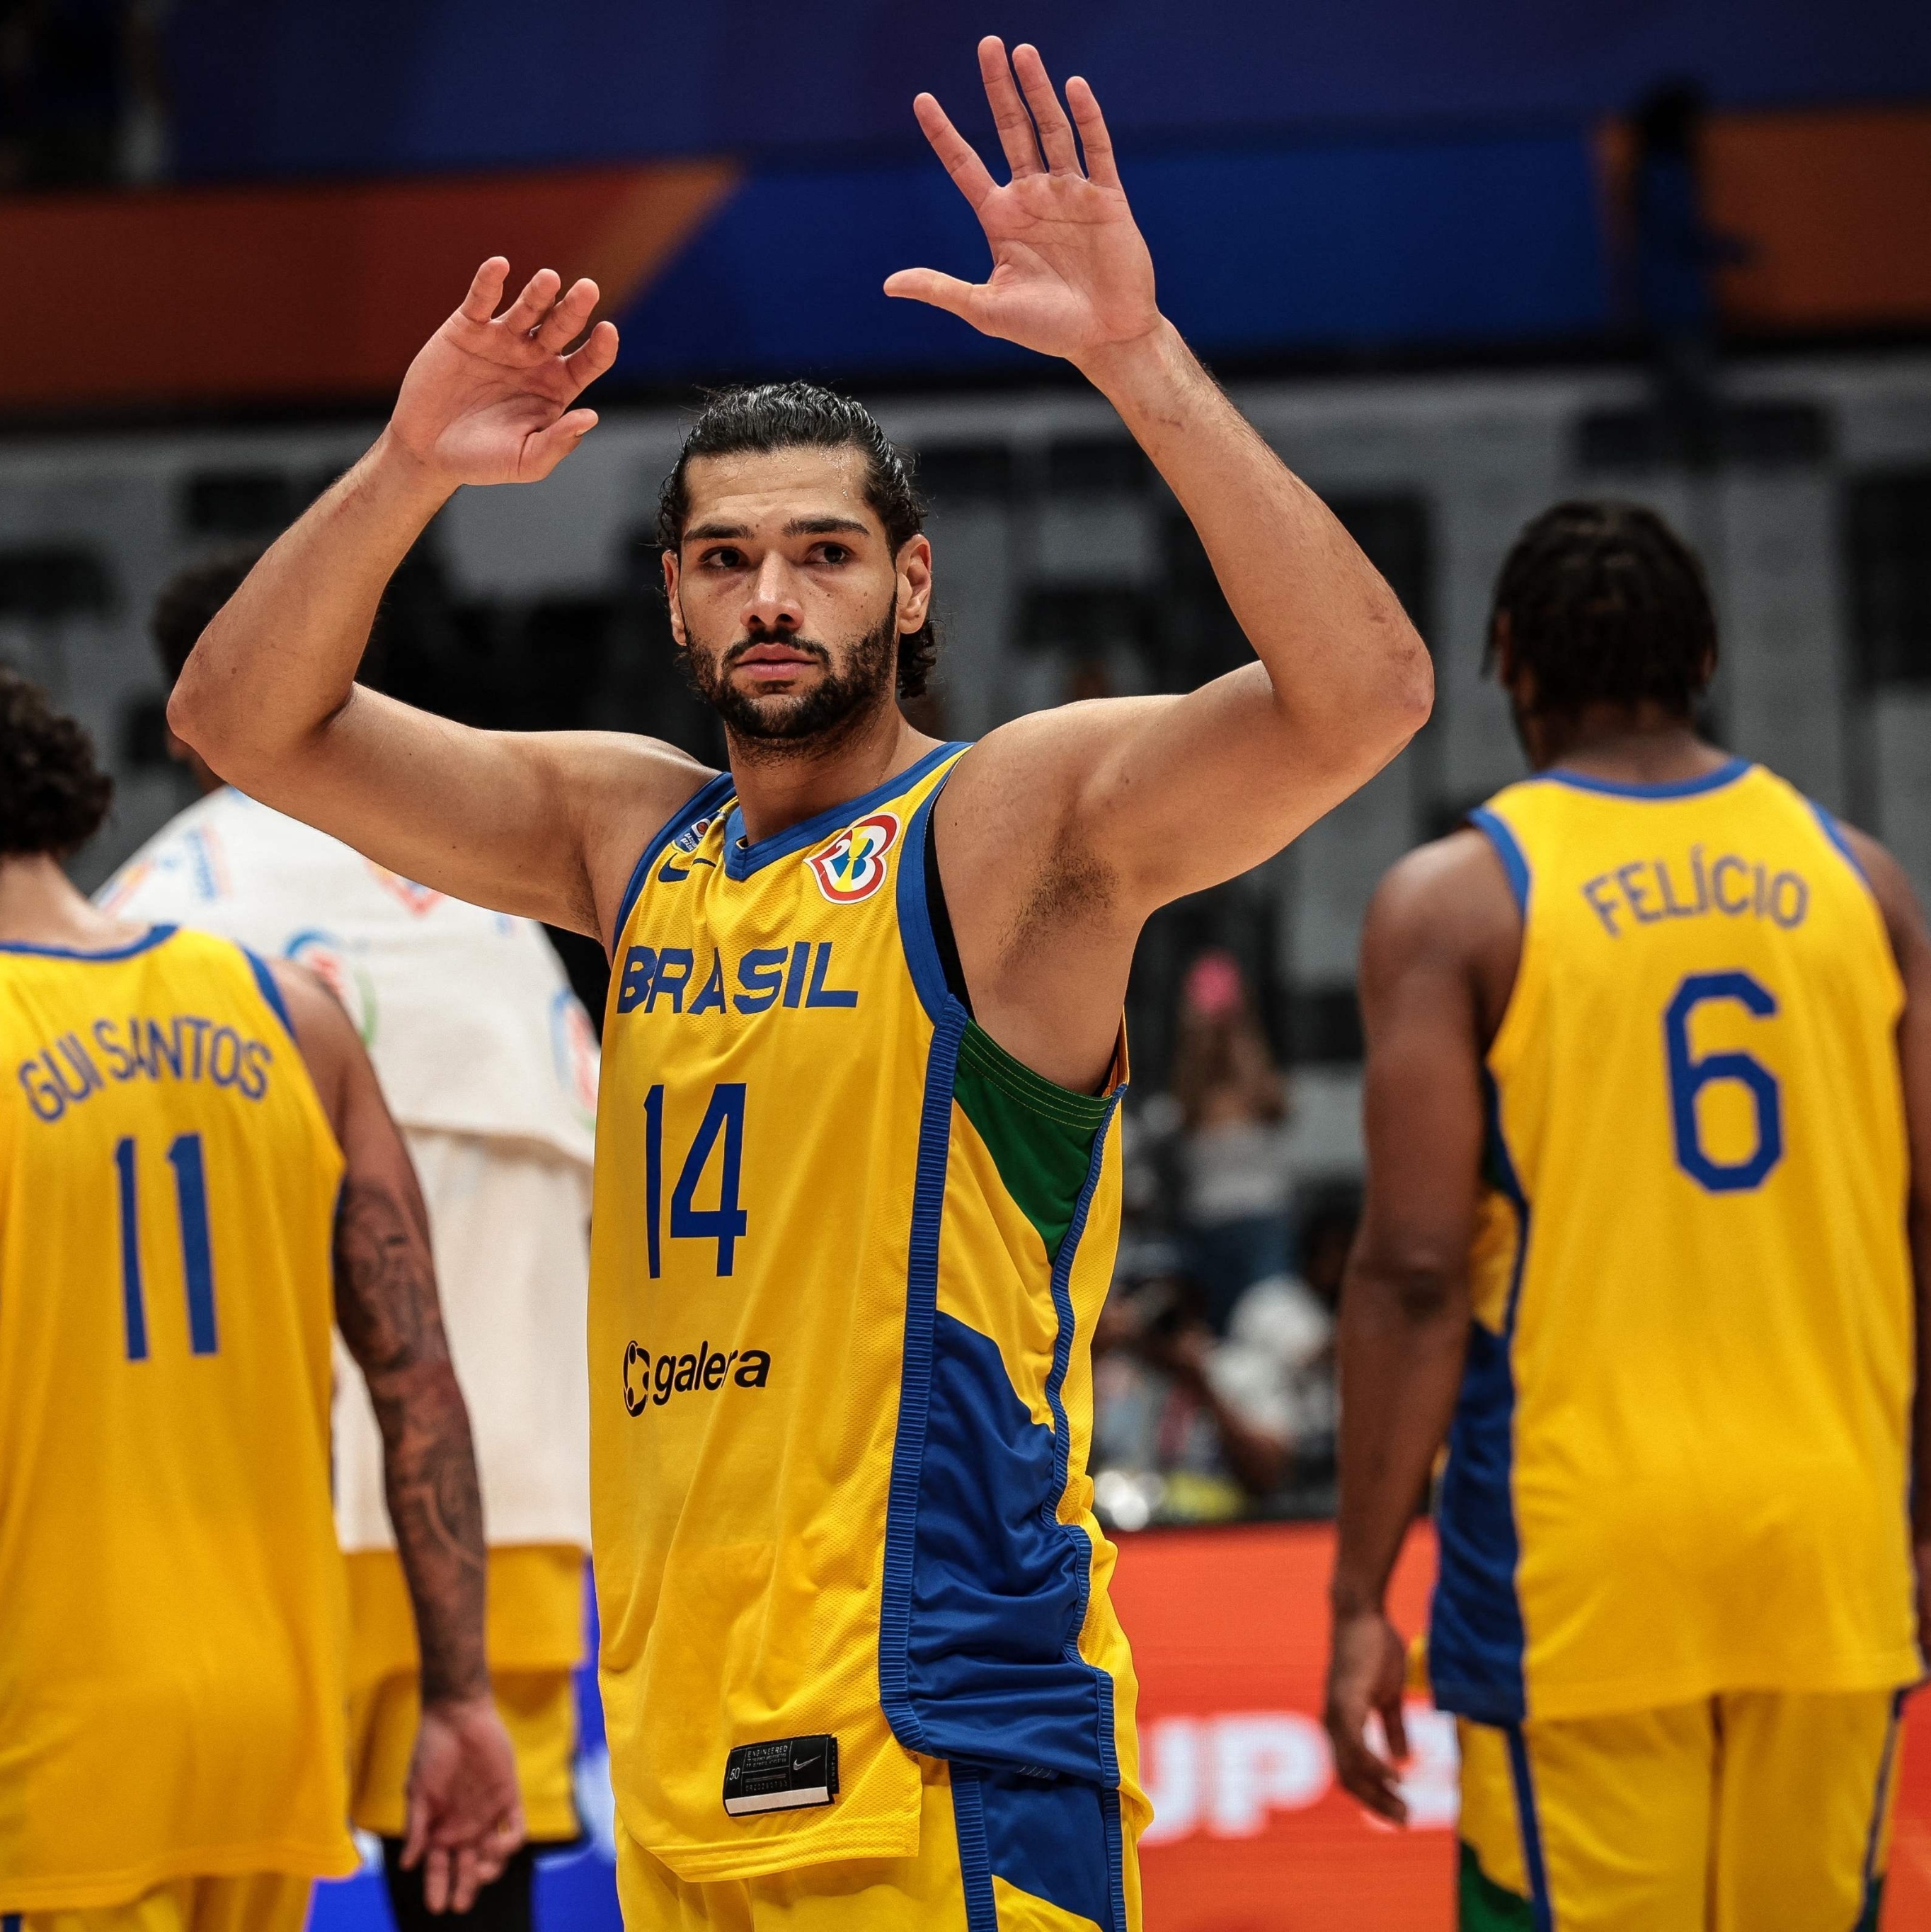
x=186, y=1135
x=1649, y=1127
x=857, y=1183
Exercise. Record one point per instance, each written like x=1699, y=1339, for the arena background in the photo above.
x=1454, y=261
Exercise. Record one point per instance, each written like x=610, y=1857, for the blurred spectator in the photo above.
x=82, y=99
x=1235, y=1182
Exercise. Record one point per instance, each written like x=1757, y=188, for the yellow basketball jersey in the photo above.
x=847, y=1255
x=1680, y=1462
x=171, y=1672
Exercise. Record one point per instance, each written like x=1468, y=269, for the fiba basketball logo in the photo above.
x=852, y=867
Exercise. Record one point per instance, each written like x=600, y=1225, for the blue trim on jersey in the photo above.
x=1834, y=832
x=1056, y=1840
x=975, y=1864
x=1541, y=1907
x=152, y=937
x=921, y=950
x=984, y=1590
x=1726, y=773
x=1475, y=1637
x=935, y=1147
x=701, y=802
x=269, y=990
x=1515, y=862
x=740, y=861
x=1880, y=1803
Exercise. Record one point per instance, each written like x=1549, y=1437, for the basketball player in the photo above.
x=180, y=1123
x=1649, y=1128
x=488, y=1064
x=857, y=1180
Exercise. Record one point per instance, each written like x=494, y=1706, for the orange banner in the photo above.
x=1229, y=1633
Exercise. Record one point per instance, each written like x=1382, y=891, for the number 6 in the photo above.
x=1688, y=1078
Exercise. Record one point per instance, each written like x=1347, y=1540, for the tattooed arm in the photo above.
x=464, y=1813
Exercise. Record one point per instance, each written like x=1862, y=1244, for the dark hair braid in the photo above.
x=767, y=416
x=1606, y=604
x=53, y=795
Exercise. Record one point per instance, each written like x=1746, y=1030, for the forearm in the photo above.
x=390, y=1317
x=1338, y=646
x=429, y=1476
x=1401, y=1348
x=279, y=663
x=1920, y=1487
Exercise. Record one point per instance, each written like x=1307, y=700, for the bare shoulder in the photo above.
x=1897, y=898
x=624, y=787
x=324, y=1033
x=1444, y=917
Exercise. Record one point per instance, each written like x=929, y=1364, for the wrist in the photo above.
x=449, y=1692
x=1122, y=371
x=1349, y=1597
x=396, y=470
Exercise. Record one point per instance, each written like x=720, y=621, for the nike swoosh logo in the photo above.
x=667, y=875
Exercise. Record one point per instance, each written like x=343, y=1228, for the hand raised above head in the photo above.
x=1070, y=276
x=488, y=398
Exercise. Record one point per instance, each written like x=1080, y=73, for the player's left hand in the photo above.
x=465, y=1812
x=1070, y=276
x=1368, y=1671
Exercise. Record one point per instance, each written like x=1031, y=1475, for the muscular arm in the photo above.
x=523, y=821
x=1904, y=920
x=1437, y=959
x=464, y=1811
x=1062, y=832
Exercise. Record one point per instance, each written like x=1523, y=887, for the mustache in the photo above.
x=811, y=648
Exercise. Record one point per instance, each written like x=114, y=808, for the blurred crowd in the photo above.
x=1214, y=1382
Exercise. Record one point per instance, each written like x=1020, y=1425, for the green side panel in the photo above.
x=1039, y=1135
x=1483, y=1905
x=1867, y=1919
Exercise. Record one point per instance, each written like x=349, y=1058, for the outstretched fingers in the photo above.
x=1055, y=131
x=1094, y=138
x=1009, y=114
x=592, y=358
x=959, y=157
x=565, y=321
x=928, y=285
x=533, y=304
x=485, y=290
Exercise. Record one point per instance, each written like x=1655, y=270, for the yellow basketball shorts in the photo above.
x=535, y=1634
x=995, y=1854
x=1754, y=1811
x=260, y=1902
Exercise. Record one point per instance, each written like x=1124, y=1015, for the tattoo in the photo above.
x=386, y=1308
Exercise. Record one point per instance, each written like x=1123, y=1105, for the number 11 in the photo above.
x=197, y=1250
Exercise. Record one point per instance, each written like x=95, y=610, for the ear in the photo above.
x=913, y=564
x=671, y=597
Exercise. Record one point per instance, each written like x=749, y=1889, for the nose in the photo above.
x=772, y=603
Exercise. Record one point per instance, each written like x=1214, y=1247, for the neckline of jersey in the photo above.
x=152, y=937
x=741, y=861
x=1726, y=773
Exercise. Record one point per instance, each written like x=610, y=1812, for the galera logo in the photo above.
x=645, y=1385
x=852, y=867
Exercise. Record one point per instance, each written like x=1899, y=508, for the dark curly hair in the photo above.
x=766, y=416
x=53, y=795
x=1606, y=603
x=191, y=600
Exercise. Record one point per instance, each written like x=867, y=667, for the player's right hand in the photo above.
x=488, y=398
x=1368, y=1671
x=465, y=1811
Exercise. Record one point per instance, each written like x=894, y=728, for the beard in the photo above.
x=806, y=724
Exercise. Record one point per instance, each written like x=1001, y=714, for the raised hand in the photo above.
x=1070, y=276
x=488, y=398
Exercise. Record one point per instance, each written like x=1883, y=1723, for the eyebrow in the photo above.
x=798, y=526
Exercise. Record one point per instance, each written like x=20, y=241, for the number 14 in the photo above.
x=724, y=1223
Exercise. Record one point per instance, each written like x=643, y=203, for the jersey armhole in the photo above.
x=1495, y=829
x=1834, y=832
x=704, y=801
x=265, y=982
